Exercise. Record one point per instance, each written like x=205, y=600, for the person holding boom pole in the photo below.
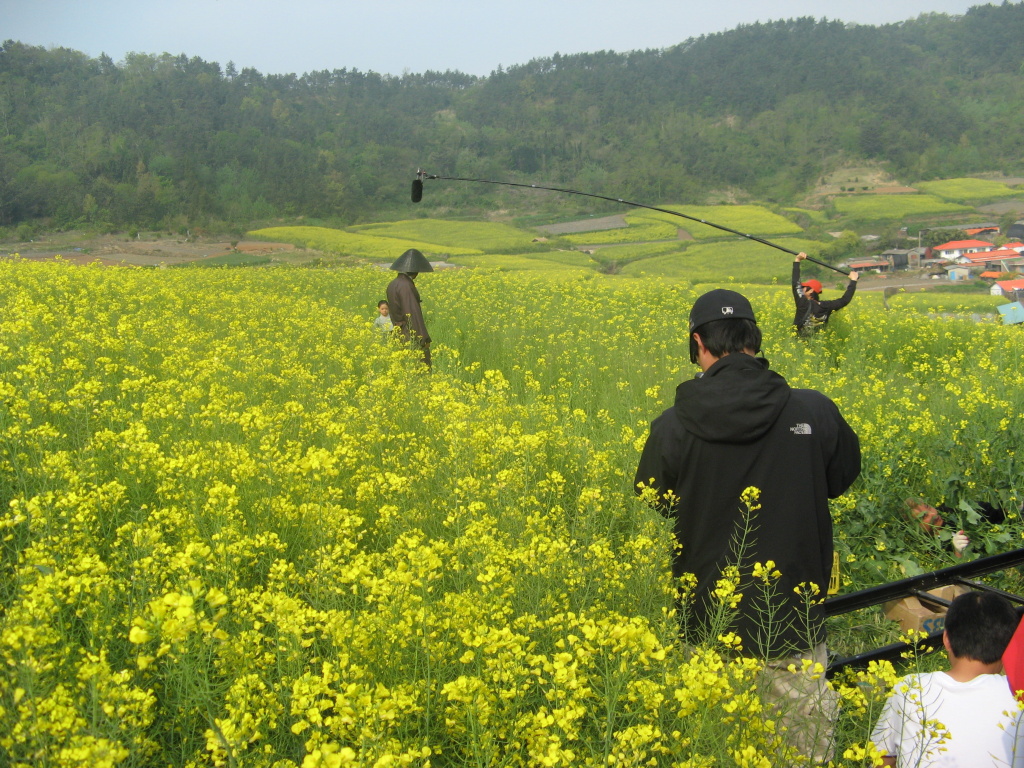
x=812, y=313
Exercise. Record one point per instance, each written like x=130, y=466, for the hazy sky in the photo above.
x=393, y=36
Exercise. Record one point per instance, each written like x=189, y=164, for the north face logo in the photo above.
x=801, y=429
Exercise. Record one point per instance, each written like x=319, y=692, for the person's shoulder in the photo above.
x=812, y=398
x=916, y=678
x=992, y=684
x=666, y=425
x=810, y=394
x=666, y=418
x=997, y=683
x=913, y=684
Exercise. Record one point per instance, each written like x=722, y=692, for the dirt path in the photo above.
x=1007, y=206
x=111, y=250
x=617, y=221
x=906, y=282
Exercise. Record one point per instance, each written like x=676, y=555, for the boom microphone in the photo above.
x=417, y=195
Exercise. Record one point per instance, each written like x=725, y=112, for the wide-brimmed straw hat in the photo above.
x=412, y=261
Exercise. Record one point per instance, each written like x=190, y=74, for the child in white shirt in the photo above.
x=965, y=717
x=383, y=322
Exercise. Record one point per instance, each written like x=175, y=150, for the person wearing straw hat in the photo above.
x=811, y=312
x=404, y=300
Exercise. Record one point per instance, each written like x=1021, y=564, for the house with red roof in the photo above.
x=1007, y=287
x=1017, y=246
x=992, y=229
x=954, y=249
x=881, y=265
x=1003, y=258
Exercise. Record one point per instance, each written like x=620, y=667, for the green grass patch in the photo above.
x=731, y=261
x=646, y=225
x=748, y=219
x=817, y=217
x=963, y=190
x=626, y=254
x=348, y=243
x=477, y=235
x=889, y=207
x=640, y=229
x=568, y=258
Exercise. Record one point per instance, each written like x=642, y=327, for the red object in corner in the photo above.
x=1013, y=662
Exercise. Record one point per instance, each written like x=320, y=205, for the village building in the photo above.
x=880, y=264
x=901, y=258
x=916, y=257
x=982, y=230
x=988, y=230
x=1008, y=288
x=956, y=272
x=954, y=249
x=1005, y=259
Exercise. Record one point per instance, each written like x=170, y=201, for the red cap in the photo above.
x=814, y=285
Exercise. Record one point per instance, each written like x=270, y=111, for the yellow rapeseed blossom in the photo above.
x=240, y=528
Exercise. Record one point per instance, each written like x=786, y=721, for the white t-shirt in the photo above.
x=982, y=718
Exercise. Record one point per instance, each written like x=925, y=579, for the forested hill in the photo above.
x=763, y=110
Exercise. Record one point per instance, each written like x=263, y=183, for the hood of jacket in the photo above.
x=737, y=400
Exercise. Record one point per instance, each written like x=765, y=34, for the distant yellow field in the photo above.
x=347, y=243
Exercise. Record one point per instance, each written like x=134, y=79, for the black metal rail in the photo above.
x=918, y=586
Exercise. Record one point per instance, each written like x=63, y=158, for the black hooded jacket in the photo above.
x=740, y=425
x=813, y=314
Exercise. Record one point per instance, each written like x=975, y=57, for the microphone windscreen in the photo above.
x=417, y=190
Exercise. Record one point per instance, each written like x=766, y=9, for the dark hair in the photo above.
x=979, y=626
x=723, y=337
x=382, y=301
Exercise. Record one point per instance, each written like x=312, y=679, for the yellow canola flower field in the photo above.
x=239, y=527
x=368, y=246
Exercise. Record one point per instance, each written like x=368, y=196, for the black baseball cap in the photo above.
x=720, y=304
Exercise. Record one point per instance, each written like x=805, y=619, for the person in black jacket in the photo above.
x=738, y=426
x=812, y=313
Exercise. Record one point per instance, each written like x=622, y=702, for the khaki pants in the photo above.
x=804, y=704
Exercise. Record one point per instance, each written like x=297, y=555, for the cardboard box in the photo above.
x=911, y=613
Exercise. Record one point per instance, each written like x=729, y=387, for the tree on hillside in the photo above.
x=761, y=111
